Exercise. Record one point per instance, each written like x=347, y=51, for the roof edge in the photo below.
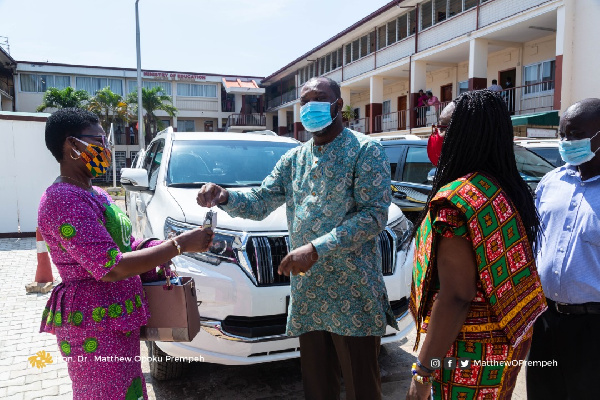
x=134, y=69
x=369, y=17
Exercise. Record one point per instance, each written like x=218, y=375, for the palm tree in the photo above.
x=63, y=98
x=109, y=107
x=153, y=100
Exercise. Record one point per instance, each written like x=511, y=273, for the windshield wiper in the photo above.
x=200, y=184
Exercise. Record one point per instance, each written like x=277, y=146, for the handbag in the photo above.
x=174, y=315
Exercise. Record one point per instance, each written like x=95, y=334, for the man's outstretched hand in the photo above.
x=298, y=261
x=212, y=194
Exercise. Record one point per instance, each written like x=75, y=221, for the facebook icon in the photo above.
x=449, y=363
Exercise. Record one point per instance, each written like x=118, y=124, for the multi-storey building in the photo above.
x=545, y=47
x=7, y=89
x=204, y=102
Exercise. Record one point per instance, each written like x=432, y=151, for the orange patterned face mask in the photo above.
x=97, y=159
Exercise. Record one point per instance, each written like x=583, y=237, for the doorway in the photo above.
x=507, y=79
x=446, y=93
x=402, y=110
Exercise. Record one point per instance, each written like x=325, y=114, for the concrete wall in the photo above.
x=27, y=168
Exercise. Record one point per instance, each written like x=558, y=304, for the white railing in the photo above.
x=450, y=29
x=396, y=51
x=197, y=105
x=335, y=75
x=359, y=67
x=359, y=125
x=497, y=10
x=395, y=121
x=531, y=98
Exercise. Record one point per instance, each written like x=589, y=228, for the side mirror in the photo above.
x=135, y=179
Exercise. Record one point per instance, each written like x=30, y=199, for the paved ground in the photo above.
x=20, y=315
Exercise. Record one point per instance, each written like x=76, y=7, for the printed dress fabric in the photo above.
x=509, y=297
x=337, y=197
x=96, y=323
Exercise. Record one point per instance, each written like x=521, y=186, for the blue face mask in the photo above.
x=316, y=115
x=577, y=152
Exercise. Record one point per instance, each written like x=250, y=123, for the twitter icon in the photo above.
x=464, y=363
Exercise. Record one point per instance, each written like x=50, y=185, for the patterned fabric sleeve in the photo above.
x=372, y=195
x=259, y=203
x=76, y=224
x=450, y=222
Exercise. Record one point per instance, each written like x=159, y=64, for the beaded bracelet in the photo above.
x=176, y=245
x=423, y=380
x=424, y=368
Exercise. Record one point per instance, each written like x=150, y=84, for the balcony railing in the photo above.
x=359, y=125
x=246, y=120
x=530, y=98
x=284, y=98
x=395, y=121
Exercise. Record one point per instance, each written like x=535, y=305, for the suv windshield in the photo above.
x=530, y=165
x=224, y=162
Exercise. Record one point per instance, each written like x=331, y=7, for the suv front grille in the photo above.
x=266, y=252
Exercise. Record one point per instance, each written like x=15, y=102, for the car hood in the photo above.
x=274, y=222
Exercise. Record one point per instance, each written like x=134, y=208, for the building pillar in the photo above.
x=376, y=103
x=238, y=103
x=346, y=96
x=561, y=38
x=175, y=123
x=478, y=58
x=282, y=121
x=219, y=123
x=418, y=81
x=298, y=127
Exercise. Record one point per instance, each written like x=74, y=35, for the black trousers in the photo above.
x=325, y=355
x=573, y=341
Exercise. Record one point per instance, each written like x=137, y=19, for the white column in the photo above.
x=418, y=76
x=282, y=117
x=238, y=103
x=346, y=95
x=297, y=112
x=478, y=57
x=376, y=86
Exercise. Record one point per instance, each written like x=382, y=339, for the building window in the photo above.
x=120, y=161
x=538, y=77
x=41, y=83
x=440, y=10
x=412, y=23
x=195, y=90
x=328, y=62
x=463, y=87
x=185, y=125
x=386, y=110
x=355, y=49
x=93, y=84
x=470, y=4
x=454, y=7
x=403, y=27
x=381, y=37
x=391, y=32
x=426, y=11
x=132, y=86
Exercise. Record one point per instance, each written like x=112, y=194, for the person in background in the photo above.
x=336, y=188
x=475, y=289
x=97, y=310
x=568, y=201
x=421, y=108
x=509, y=94
x=495, y=87
x=433, y=101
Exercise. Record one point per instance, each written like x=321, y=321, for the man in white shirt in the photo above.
x=495, y=87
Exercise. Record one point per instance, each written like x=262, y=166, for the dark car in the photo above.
x=412, y=172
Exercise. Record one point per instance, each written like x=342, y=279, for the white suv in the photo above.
x=243, y=302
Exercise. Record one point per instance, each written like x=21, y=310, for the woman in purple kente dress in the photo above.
x=97, y=310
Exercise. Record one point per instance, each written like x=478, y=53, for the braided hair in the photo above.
x=479, y=138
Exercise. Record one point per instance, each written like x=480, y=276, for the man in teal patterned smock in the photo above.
x=336, y=191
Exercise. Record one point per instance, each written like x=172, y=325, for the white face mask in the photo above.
x=577, y=152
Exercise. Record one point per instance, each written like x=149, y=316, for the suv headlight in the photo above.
x=222, y=248
x=402, y=227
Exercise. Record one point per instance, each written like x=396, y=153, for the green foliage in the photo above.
x=348, y=112
x=63, y=98
x=153, y=100
x=109, y=107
